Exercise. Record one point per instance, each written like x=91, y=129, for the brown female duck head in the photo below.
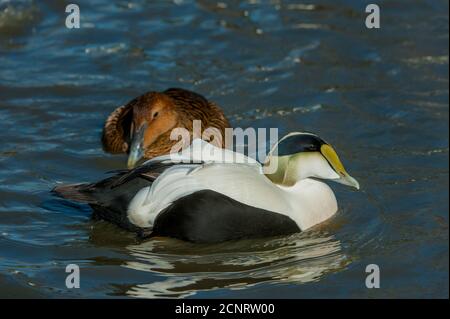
x=143, y=126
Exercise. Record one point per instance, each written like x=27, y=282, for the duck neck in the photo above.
x=288, y=170
x=275, y=169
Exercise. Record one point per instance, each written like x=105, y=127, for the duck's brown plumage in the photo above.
x=163, y=111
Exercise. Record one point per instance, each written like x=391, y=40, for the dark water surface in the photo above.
x=379, y=96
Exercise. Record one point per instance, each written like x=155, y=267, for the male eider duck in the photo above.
x=208, y=194
x=142, y=127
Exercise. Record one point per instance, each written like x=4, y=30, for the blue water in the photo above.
x=380, y=96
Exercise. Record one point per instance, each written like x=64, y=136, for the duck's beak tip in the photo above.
x=352, y=182
x=135, y=155
x=130, y=163
x=137, y=148
x=349, y=181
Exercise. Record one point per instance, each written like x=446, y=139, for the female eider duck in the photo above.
x=207, y=194
x=142, y=127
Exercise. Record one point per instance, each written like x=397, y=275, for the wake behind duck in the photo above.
x=208, y=194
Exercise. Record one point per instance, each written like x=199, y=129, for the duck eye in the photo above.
x=155, y=114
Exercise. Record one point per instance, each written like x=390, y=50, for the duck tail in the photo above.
x=75, y=192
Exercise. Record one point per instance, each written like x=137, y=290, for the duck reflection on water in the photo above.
x=186, y=269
